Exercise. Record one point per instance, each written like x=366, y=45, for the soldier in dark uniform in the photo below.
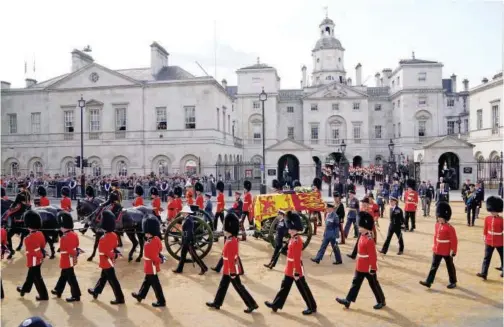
x=114, y=199
x=277, y=187
x=349, y=188
x=281, y=232
x=90, y=193
x=471, y=203
x=22, y=198
x=396, y=221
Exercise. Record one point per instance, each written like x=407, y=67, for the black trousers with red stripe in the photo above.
x=68, y=276
x=303, y=288
x=109, y=275
x=35, y=277
x=152, y=280
x=238, y=286
x=373, y=283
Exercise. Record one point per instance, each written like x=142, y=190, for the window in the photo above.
x=422, y=76
x=256, y=104
x=290, y=132
x=450, y=103
x=421, y=128
x=398, y=104
x=357, y=133
x=122, y=168
x=38, y=169
x=393, y=130
x=223, y=120
x=120, y=119
x=70, y=169
x=190, y=117
x=393, y=84
x=495, y=119
x=329, y=78
x=161, y=121
x=12, y=123
x=314, y=107
x=229, y=123
x=290, y=109
x=162, y=168
x=393, y=105
x=69, y=124
x=378, y=131
x=356, y=106
x=218, y=119
x=422, y=101
x=377, y=107
x=35, y=122
x=451, y=127
x=399, y=129
x=335, y=135
x=95, y=168
x=466, y=125
x=479, y=119
x=257, y=133
x=335, y=106
x=398, y=81
x=314, y=133
x=14, y=169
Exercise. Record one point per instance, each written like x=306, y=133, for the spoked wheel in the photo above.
x=264, y=232
x=306, y=233
x=203, y=237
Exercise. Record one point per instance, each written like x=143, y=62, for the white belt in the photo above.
x=237, y=266
x=363, y=255
x=443, y=241
x=147, y=259
x=290, y=259
x=494, y=233
x=37, y=249
x=153, y=265
x=224, y=258
x=108, y=259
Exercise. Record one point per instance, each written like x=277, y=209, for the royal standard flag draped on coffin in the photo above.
x=267, y=205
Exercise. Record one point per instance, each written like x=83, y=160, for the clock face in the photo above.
x=94, y=77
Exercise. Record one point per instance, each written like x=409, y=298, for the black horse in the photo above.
x=129, y=222
x=14, y=224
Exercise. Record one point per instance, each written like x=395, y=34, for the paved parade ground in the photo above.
x=473, y=303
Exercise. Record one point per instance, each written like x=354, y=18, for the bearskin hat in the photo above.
x=220, y=186
x=41, y=191
x=317, y=182
x=90, y=191
x=276, y=184
x=336, y=194
x=365, y=200
x=65, y=191
x=294, y=221
x=231, y=224
x=114, y=183
x=411, y=183
x=443, y=210
x=154, y=191
x=65, y=220
x=366, y=220
x=3, y=192
x=151, y=225
x=177, y=191
x=108, y=221
x=198, y=187
x=296, y=183
x=32, y=220
x=494, y=204
x=370, y=195
x=247, y=185
x=171, y=194
x=139, y=190
x=35, y=322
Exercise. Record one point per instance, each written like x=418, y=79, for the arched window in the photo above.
x=190, y=167
x=122, y=168
x=14, y=169
x=256, y=172
x=95, y=169
x=70, y=168
x=38, y=169
x=162, y=168
x=378, y=160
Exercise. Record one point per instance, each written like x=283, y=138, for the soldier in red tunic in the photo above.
x=43, y=201
x=247, y=205
x=316, y=216
x=219, y=212
x=410, y=205
x=66, y=203
x=35, y=252
x=172, y=207
x=177, y=191
x=108, y=254
x=152, y=259
x=445, y=246
x=366, y=265
x=492, y=233
x=294, y=269
x=156, y=202
x=200, y=201
x=139, y=191
x=232, y=268
x=189, y=193
x=69, y=250
x=3, y=238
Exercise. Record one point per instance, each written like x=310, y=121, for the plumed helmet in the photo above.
x=494, y=204
x=317, y=182
x=198, y=187
x=65, y=191
x=276, y=184
x=220, y=186
x=108, y=221
x=151, y=225
x=139, y=190
x=231, y=224
x=114, y=183
x=90, y=191
x=443, y=210
x=366, y=220
x=154, y=191
x=247, y=185
x=177, y=191
x=32, y=219
x=34, y=322
x=411, y=183
x=294, y=221
x=65, y=220
x=41, y=191
x=3, y=192
x=296, y=183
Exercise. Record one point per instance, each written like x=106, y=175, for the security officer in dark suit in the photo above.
x=338, y=187
x=114, y=199
x=281, y=232
x=396, y=221
x=73, y=189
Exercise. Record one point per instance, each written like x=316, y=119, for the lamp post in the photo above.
x=82, y=105
x=263, y=97
x=391, y=158
x=343, y=160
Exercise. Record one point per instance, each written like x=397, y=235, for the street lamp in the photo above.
x=391, y=158
x=343, y=160
x=82, y=105
x=263, y=97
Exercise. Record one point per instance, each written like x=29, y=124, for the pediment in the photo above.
x=450, y=142
x=94, y=103
x=288, y=145
x=335, y=90
x=93, y=75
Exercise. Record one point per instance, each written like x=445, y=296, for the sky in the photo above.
x=466, y=36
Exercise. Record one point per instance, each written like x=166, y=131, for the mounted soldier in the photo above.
x=66, y=203
x=114, y=199
x=277, y=187
x=156, y=202
x=90, y=193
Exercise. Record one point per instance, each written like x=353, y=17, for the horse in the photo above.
x=15, y=225
x=129, y=221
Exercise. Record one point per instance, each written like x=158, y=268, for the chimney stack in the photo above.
x=224, y=83
x=484, y=80
x=466, y=85
x=80, y=59
x=386, y=74
x=349, y=81
x=30, y=82
x=303, y=74
x=454, y=83
x=5, y=85
x=358, y=74
x=159, y=58
x=377, y=79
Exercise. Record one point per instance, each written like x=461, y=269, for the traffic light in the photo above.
x=85, y=163
x=78, y=161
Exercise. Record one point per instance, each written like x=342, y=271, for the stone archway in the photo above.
x=357, y=161
x=318, y=166
x=288, y=169
x=449, y=169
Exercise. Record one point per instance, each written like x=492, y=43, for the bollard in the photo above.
x=230, y=192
